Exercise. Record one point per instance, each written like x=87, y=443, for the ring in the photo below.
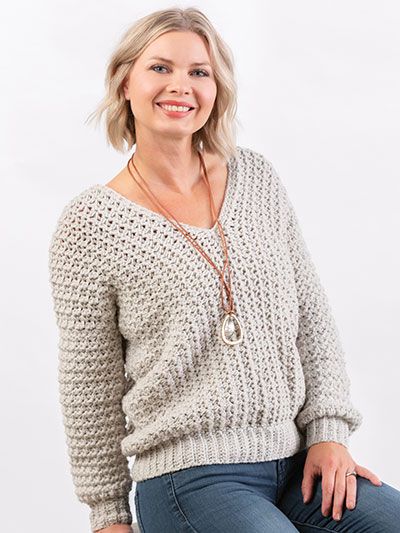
x=354, y=473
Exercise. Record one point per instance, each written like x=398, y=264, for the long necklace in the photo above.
x=231, y=328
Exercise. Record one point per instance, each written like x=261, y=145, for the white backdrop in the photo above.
x=319, y=87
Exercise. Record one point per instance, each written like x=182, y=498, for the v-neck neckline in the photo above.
x=223, y=213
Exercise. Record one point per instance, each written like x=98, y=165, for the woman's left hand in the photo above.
x=331, y=460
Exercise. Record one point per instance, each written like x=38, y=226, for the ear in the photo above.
x=125, y=87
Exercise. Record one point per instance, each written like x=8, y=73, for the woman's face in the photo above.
x=154, y=80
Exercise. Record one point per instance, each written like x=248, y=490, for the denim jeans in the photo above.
x=254, y=498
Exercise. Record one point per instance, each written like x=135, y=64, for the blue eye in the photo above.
x=157, y=66
x=205, y=73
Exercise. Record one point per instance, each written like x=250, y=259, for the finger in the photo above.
x=364, y=472
x=307, y=484
x=328, y=486
x=351, y=491
x=339, y=493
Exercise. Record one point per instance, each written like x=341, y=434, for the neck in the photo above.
x=176, y=167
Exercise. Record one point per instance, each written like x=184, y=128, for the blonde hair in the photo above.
x=218, y=135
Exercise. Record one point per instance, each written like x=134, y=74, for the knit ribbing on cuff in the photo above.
x=110, y=512
x=327, y=428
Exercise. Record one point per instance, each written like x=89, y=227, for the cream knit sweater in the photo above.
x=138, y=311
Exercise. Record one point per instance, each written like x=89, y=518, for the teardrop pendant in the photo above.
x=231, y=329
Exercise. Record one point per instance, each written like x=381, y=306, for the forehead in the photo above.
x=178, y=47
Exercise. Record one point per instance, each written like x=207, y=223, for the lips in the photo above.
x=183, y=105
x=175, y=102
x=174, y=115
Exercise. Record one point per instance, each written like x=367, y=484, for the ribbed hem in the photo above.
x=327, y=428
x=110, y=512
x=232, y=445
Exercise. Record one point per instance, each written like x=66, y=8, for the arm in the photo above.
x=327, y=414
x=90, y=374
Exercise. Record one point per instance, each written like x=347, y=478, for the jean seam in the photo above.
x=281, y=478
x=178, y=505
x=140, y=523
x=277, y=481
x=310, y=525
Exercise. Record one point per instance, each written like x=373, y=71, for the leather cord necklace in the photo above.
x=231, y=328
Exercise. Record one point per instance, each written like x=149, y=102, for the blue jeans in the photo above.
x=254, y=498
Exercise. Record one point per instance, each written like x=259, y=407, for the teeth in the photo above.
x=174, y=107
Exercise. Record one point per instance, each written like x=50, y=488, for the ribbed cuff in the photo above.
x=327, y=428
x=110, y=512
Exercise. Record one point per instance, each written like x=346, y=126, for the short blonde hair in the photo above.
x=218, y=135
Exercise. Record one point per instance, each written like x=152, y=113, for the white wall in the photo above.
x=319, y=89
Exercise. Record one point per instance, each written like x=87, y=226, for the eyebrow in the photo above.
x=171, y=62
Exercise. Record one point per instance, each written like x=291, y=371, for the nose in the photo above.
x=180, y=83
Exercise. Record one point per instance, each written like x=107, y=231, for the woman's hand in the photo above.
x=116, y=528
x=331, y=460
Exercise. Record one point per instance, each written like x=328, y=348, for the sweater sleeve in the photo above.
x=91, y=373
x=328, y=413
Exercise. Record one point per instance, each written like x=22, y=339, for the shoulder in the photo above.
x=258, y=165
x=259, y=168
x=81, y=246
x=75, y=213
x=80, y=224
x=254, y=160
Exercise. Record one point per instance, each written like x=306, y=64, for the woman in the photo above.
x=187, y=301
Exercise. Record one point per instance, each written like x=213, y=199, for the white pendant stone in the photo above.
x=231, y=330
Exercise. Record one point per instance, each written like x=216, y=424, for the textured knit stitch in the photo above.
x=143, y=370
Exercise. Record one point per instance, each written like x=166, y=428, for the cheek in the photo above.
x=143, y=97
x=144, y=87
x=207, y=95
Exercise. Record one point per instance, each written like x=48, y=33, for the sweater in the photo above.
x=143, y=370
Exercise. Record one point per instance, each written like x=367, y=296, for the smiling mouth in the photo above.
x=175, y=111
